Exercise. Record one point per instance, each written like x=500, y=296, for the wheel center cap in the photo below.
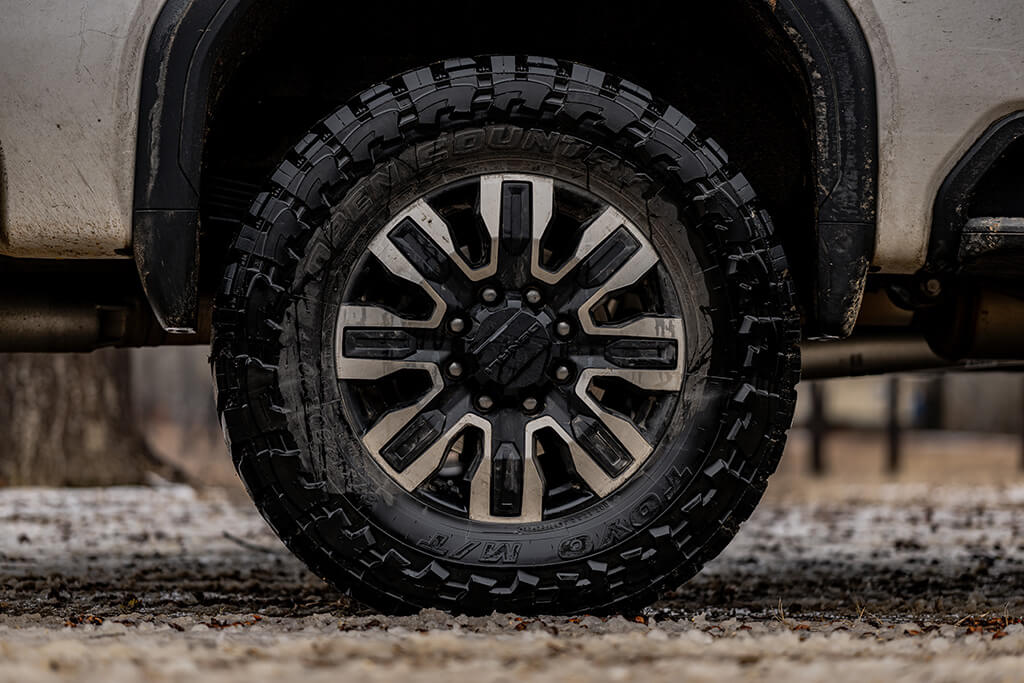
x=511, y=348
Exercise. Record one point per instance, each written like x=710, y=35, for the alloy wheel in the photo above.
x=510, y=346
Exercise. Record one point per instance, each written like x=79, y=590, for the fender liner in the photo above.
x=842, y=76
x=183, y=49
x=180, y=57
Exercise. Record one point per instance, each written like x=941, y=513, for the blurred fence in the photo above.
x=975, y=402
x=174, y=399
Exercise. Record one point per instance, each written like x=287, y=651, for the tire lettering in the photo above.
x=574, y=547
x=431, y=154
x=467, y=141
x=645, y=510
x=504, y=138
x=466, y=549
x=435, y=544
x=615, y=531
x=501, y=553
x=541, y=141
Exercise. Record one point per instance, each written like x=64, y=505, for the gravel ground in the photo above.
x=893, y=582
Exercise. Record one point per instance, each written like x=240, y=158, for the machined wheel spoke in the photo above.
x=606, y=431
x=419, y=220
x=397, y=261
x=375, y=368
x=612, y=255
x=594, y=235
x=419, y=448
x=625, y=267
x=648, y=352
x=602, y=468
x=370, y=317
x=507, y=485
x=647, y=380
x=659, y=327
x=399, y=428
x=373, y=342
x=515, y=209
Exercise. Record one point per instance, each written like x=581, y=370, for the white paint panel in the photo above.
x=69, y=90
x=946, y=70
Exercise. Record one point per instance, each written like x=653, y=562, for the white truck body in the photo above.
x=69, y=96
x=944, y=71
x=70, y=75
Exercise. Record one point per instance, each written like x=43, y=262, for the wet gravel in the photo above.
x=894, y=581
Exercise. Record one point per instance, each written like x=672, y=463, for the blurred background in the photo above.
x=136, y=415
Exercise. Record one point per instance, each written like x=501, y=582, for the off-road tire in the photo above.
x=274, y=325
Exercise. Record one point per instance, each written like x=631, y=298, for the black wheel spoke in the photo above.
x=506, y=482
x=518, y=210
x=392, y=343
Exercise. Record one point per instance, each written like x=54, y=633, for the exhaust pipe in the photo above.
x=875, y=354
x=44, y=313
x=29, y=323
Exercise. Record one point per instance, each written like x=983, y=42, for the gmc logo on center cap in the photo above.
x=513, y=348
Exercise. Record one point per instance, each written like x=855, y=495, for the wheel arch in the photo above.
x=811, y=103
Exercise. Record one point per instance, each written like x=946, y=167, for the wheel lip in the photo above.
x=638, y=447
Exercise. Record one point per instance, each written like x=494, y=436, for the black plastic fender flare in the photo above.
x=183, y=49
x=846, y=146
x=176, y=74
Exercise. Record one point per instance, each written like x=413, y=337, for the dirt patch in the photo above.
x=905, y=581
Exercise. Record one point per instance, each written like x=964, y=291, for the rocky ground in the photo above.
x=892, y=581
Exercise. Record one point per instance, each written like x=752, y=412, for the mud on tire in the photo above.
x=289, y=419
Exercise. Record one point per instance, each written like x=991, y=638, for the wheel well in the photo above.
x=998, y=191
x=728, y=66
x=983, y=183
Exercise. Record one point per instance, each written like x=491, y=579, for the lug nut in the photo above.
x=485, y=402
x=533, y=296
x=530, y=404
x=457, y=325
x=455, y=369
x=489, y=295
x=562, y=373
x=563, y=329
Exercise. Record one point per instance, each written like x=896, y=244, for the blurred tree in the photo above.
x=67, y=420
x=174, y=402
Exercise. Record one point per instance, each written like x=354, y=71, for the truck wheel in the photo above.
x=506, y=334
